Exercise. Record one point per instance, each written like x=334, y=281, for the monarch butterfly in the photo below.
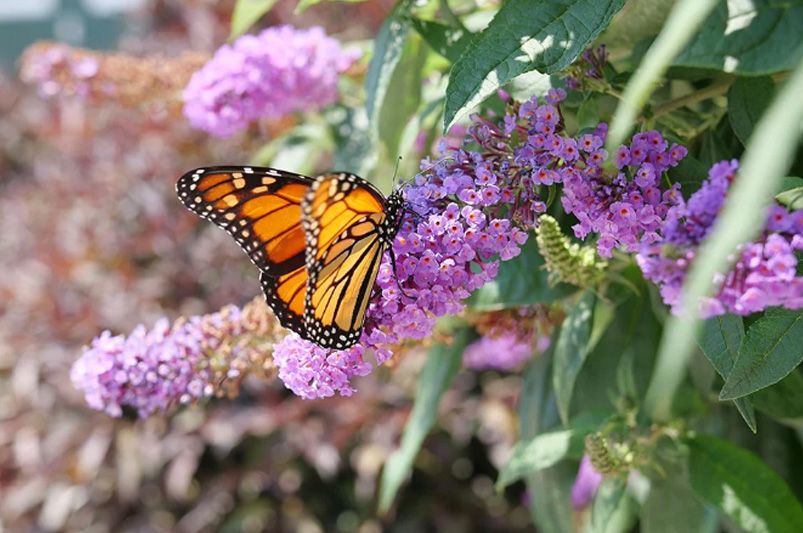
x=318, y=242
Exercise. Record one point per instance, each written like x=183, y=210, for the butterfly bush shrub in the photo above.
x=544, y=248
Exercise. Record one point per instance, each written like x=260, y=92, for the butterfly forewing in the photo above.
x=259, y=207
x=344, y=217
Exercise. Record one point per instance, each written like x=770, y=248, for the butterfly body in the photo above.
x=318, y=242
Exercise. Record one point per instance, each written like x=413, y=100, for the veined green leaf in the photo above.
x=748, y=98
x=742, y=486
x=749, y=38
x=671, y=506
x=720, y=341
x=683, y=21
x=525, y=35
x=436, y=376
x=784, y=400
x=246, y=13
x=772, y=348
x=767, y=158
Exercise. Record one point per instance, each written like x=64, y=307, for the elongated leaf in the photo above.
x=388, y=49
x=303, y=5
x=739, y=484
x=683, y=21
x=579, y=333
x=550, y=488
x=767, y=158
x=749, y=38
x=541, y=452
x=772, y=348
x=720, y=341
x=437, y=374
x=448, y=41
x=520, y=281
x=525, y=35
x=246, y=13
x=403, y=96
x=748, y=98
x=613, y=511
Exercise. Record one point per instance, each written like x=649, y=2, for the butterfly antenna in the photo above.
x=396, y=171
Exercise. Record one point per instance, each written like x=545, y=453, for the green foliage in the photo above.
x=437, y=374
x=748, y=98
x=740, y=485
x=246, y=14
x=525, y=35
x=750, y=39
x=614, y=510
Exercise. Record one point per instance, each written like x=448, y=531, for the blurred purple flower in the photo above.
x=279, y=71
x=585, y=484
x=507, y=351
x=765, y=271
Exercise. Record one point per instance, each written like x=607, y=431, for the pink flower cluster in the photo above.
x=280, y=71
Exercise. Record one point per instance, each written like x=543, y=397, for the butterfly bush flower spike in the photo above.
x=277, y=72
x=152, y=370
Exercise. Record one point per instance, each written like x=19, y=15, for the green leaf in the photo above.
x=784, y=400
x=542, y=452
x=720, y=341
x=388, y=49
x=246, y=13
x=682, y=22
x=299, y=149
x=791, y=194
x=403, y=95
x=748, y=98
x=690, y=173
x=448, y=41
x=551, y=487
x=579, y=333
x=766, y=160
x=770, y=350
x=520, y=281
x=354, y=146
x=671, y=506
x=613, y=511
x=742, y=486
x=438, y=372
x=525, y=35
x=747, y=38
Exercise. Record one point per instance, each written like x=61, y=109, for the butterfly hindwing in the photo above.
x=259, y=207
x=345, y=224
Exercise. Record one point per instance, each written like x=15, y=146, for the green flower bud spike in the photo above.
x=566, y=261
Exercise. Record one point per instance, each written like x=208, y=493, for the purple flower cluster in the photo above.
x=153, y=370
x=279, y=71
x=469, y=211
x=629, y=208
x=314, y=372
x=149, y=371
x=503, y=351
x=765, y=271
